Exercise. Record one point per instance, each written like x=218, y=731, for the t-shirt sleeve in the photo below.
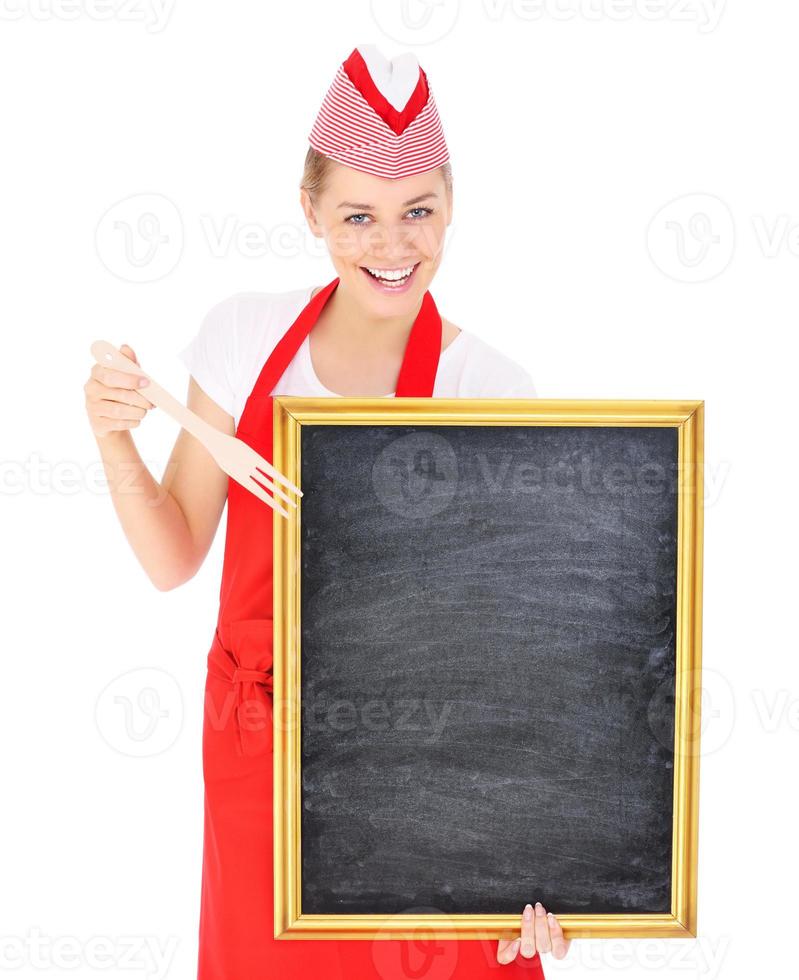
x=521, y=387
x=486, y=371
x=211, y=356
x=502, y=377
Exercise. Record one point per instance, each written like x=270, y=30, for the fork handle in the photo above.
x=107, y=355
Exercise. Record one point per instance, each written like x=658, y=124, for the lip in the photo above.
x=391, y=290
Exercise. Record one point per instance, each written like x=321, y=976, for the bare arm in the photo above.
x=170, y=525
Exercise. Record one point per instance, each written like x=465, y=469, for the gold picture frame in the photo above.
x=290, y=414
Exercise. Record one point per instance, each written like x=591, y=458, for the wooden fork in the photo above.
x=234, y=457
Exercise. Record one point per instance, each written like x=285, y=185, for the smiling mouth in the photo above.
x=391, y=278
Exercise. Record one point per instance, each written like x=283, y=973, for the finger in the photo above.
x=560, y=946
x=112, y=425
x=128, y=352
x=125, y=396
x=507, y=950
x=542, y=940
x=528, y=932
x=117, y=410
x=97, y=391
x=117, y=379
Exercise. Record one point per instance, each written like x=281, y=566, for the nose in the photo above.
x=390, y=243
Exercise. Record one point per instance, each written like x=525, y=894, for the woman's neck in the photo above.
x=345, y=322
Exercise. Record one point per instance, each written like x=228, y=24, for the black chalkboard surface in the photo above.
x=487, y=668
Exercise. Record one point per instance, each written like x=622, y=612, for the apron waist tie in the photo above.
x=244, y=664
x=241, y=674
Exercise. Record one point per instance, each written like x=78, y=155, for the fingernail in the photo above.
x=514, y=946
x=550, y=916
x=527, y=949
x=142, y=382
x=528, y=911
x=539, y=909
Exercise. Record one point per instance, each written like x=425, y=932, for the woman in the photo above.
x=377, y=187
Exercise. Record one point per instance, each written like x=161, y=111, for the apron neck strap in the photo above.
x=291, y=341
x=419, y=363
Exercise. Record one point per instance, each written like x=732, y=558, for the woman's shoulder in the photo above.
x=484, y=370
x=254, y=309
x=247, y=325
x=234, y=339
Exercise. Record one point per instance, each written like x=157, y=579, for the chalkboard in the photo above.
x=488, y=658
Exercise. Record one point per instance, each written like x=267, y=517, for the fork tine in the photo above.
x=254, y=487
x=266, y=467
x=267, y=483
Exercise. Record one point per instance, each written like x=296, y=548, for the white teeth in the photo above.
x=392, y=275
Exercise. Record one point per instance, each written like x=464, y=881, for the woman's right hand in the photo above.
x=114, y=399
x=170, y=523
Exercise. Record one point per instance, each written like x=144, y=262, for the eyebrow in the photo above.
x=370, y=207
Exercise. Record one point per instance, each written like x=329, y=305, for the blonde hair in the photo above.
x=317, y=167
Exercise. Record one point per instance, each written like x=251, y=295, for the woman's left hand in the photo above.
x=540, y=933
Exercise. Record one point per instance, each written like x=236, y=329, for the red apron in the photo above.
x=237, y=904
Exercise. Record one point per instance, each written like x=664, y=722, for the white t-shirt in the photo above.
x=237, y=336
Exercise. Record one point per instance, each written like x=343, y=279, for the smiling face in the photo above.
x=385, y=237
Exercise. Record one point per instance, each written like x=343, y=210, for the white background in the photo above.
x=572, y=126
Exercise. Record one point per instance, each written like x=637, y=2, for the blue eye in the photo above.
x=424, y=213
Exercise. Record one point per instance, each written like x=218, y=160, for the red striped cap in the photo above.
x=380, y=116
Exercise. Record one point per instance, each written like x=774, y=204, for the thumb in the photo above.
x=128, y=352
